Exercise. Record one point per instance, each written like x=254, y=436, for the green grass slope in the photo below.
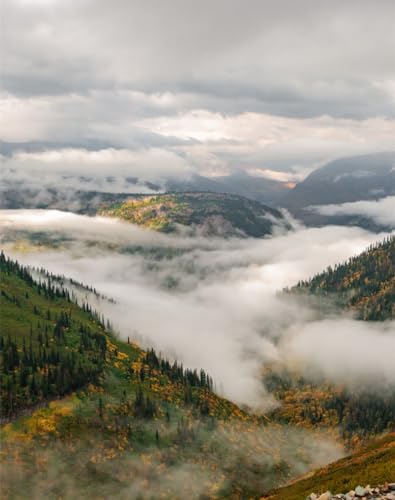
x=208, y=213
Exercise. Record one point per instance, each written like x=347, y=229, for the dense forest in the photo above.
x=365, y=283
x=48, y=345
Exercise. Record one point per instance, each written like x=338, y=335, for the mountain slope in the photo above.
x=48, y=345
x=203, y=213
x=366, y=283
x=139, y=426
x=368, y=177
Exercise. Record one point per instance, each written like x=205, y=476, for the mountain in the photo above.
x=365, y=283
x=239, y=183
x=374, y=463
x=86, y=415
x=368, y=177
x=216, y=214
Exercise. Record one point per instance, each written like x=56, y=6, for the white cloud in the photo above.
x=342, y=349
x=104, y=170
x=198, y=141
x=380, y=211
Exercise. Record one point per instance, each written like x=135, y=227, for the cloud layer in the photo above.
x=380, y=211
x=215, y=87
x=212, y=303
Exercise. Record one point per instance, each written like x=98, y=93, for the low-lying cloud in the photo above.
x=212, y=303
x=380, y=211
x=363, y=347
x=111, y=169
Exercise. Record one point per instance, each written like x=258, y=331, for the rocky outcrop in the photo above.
x=384, y=491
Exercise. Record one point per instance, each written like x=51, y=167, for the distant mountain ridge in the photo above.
x=239, y=183
x=85, y=199
x=367, y=177
x=345, y=180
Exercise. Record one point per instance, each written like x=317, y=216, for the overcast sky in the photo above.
x=208, y=86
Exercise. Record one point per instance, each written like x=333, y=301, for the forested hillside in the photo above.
x=104, y=417
x=215, y=214
x=365, y=283
x=48, y=345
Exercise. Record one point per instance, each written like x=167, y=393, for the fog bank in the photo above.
x=212, y=303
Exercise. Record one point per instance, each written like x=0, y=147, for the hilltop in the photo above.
x=207, y=213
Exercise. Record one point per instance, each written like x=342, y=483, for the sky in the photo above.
x=175, y=88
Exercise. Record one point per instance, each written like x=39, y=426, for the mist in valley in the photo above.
x=214, y=303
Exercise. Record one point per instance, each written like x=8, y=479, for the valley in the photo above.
x=80, y=392
x=197, y=250
x=148, y=411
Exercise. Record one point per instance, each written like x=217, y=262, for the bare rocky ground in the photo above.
x=383, y=491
